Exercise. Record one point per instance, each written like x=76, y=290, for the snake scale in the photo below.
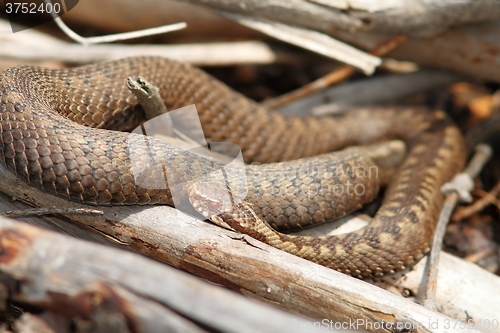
x=44, y=141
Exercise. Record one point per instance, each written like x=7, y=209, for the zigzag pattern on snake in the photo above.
x=43, y=141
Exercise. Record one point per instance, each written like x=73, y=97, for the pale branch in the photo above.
x=468, y=49
x=471, y=50
x=415, y=18
x=105, y=286
x=300, y=13
x=311, y=40
x=50, y=210
x=464, y=291
x=32, y=45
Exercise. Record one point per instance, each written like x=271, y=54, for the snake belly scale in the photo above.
x=43, y=141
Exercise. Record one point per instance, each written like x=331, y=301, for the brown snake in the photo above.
x=42, y=142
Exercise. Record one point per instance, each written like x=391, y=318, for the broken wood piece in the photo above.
x=419, y=19
x=110, y=287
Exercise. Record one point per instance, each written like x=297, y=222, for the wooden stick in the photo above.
x=311, y=40
x=487, y=198
x=362, y=16
x=36, y=46
x=106, y=286
x=51, y=210
x=332, y=78
x=458, y=190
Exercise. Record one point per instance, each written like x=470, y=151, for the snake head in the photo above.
x=212, y=200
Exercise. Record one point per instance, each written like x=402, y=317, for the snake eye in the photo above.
x=213, y=205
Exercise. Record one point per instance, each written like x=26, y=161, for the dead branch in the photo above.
x=462, y=289
x=471, y=50
x=311, y=40
x=112, y=288
x=415, y=18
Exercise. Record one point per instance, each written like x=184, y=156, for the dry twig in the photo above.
x=486, y=198
x=380, y=89
x=458, y=190
x=311, y=40
x=51, y=211
x=148, y=96
x=115, y=37
x=332, y=78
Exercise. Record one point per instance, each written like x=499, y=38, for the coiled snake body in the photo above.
x=43, y=141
